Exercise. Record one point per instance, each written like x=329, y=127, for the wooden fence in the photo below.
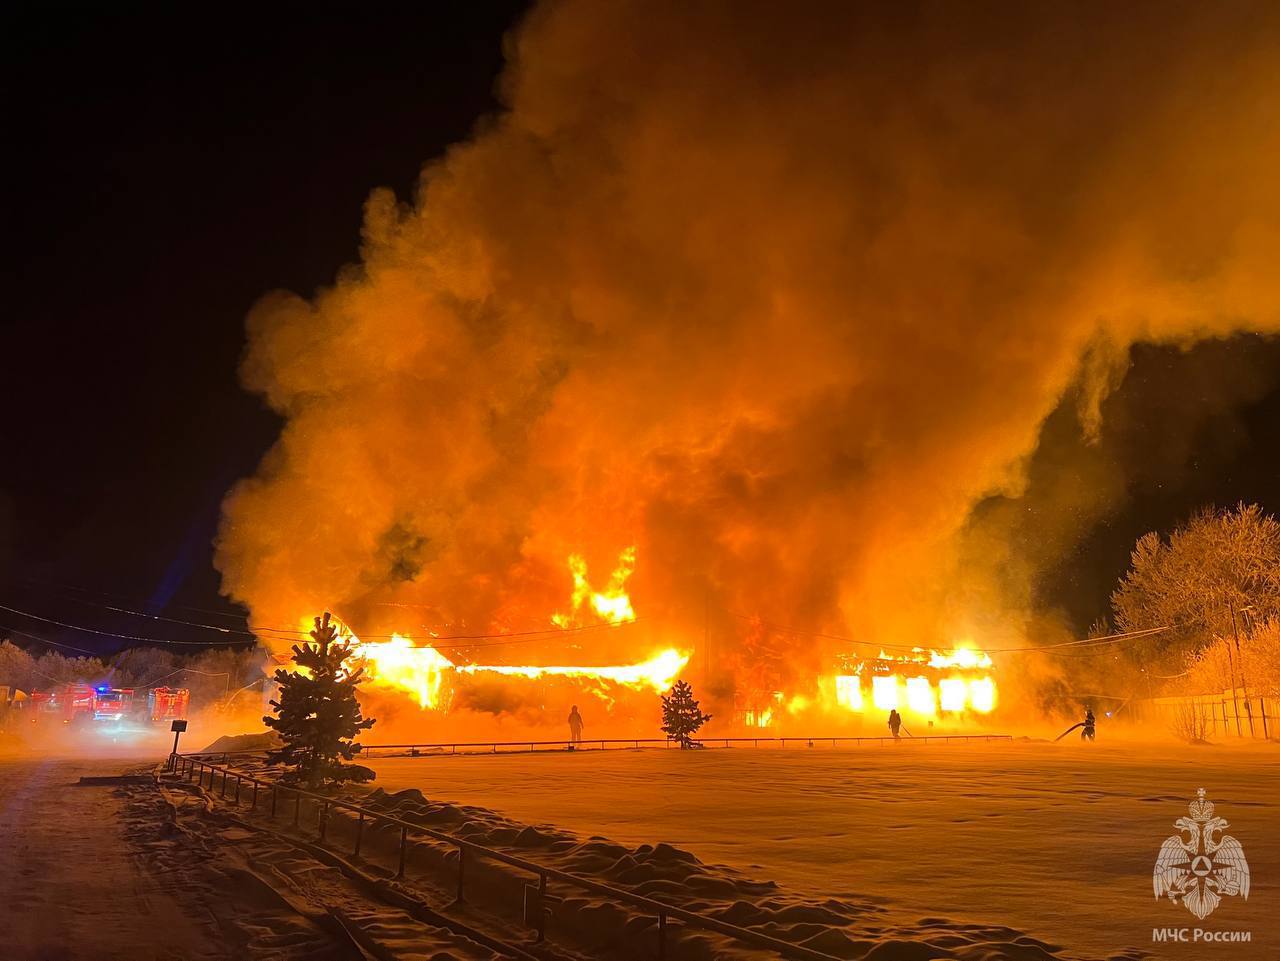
x=1229, y=714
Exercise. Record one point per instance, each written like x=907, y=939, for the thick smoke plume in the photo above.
x=775, y=292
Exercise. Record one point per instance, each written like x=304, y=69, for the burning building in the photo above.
x=742, y=312
x=926, y=683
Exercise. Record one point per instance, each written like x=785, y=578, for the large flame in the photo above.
x=956, y=681
x=421, y=671
x=399, y=664
x=657, y=674
x=612, y=604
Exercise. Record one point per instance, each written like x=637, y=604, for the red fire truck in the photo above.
x=167, y=704
x=82, y=703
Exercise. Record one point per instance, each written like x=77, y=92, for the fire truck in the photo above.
x=167, y=704
x=83, y=703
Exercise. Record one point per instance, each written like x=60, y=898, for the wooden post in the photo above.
x=359, y=835
x=1248, y=709
x=404, y=841
x=462, y=865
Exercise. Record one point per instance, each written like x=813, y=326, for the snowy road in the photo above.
x=69, y=888
x=1055, y=840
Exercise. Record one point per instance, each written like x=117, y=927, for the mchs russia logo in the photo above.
x=1201, y=866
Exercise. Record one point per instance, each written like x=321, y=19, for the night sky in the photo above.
x=169, y=172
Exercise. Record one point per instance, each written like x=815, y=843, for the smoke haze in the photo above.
x=775, y=293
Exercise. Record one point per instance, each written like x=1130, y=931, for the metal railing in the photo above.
x=196, y=768
x=434, y=749
x=605, y=744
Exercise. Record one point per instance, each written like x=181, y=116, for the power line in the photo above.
x=267, y=633
x=45, y=640
x=300, y=632
x=129, y=597
x=294, y=632
x=431, y=640
x=124, y=637
x=161, y=617
x=186, y=670
x=1088, y=641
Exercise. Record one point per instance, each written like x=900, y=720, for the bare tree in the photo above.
x=1190, y=722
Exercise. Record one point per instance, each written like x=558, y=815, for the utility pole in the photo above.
x=706, y=636
x=1248, y=710
x=1235, y=704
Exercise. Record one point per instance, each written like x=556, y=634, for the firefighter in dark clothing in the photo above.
x=1088, y=732
x=895, y=722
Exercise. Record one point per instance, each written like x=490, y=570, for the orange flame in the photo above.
x=612, y=604
x=964, y=689
x=398, y=665
x=658, y=673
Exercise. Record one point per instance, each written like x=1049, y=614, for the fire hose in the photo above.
x=1068, y=731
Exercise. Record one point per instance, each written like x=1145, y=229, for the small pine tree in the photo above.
x=681, y=716
x=318, y=714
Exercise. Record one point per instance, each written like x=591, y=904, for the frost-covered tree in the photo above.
x=318, y=715
x=17, y=667
x=681, y=716
x=1216, y=565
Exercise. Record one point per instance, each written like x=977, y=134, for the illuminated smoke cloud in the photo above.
x=774, y=293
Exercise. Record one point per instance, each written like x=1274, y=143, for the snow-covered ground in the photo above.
x=895, y=853
x=70, y=888
x=1057, y=841
x=139, y=872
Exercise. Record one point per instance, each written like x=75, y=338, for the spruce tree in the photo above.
x=681, y=716
x=318, y=715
